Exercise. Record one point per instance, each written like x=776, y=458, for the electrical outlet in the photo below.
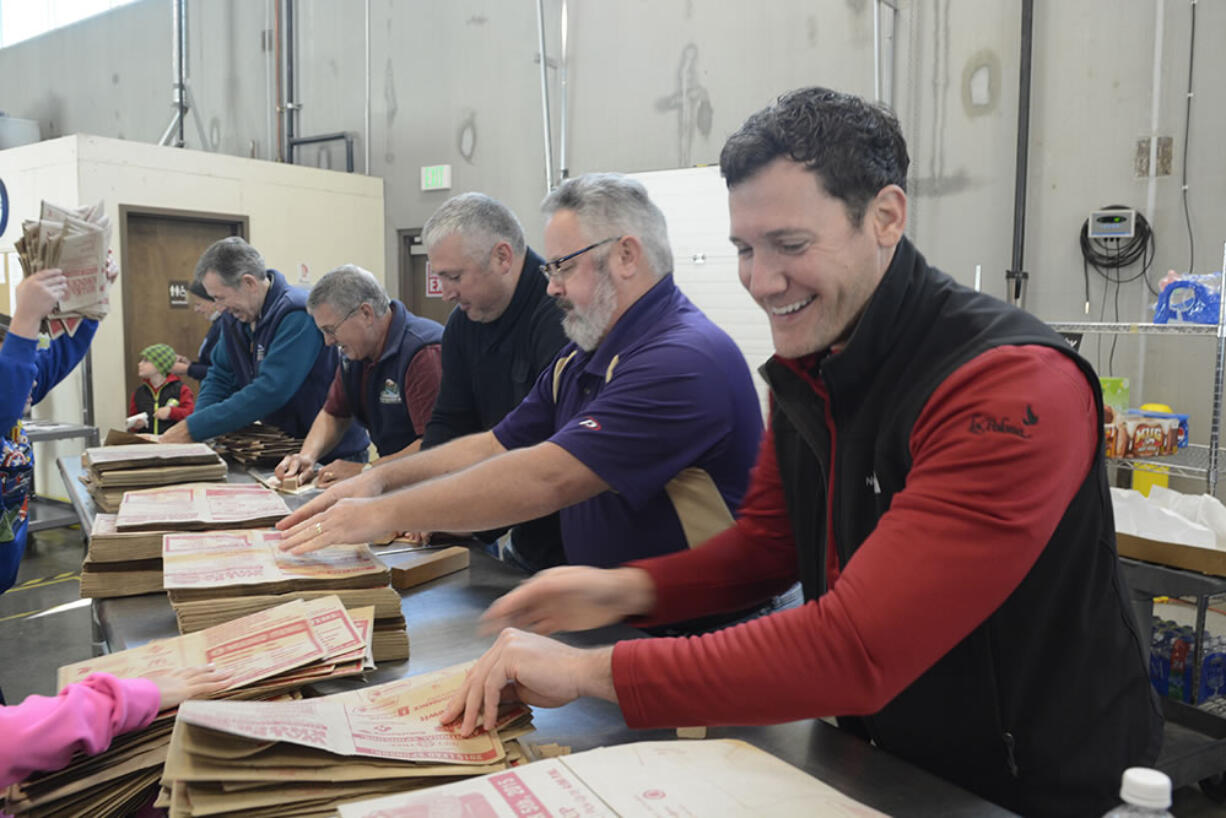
x=1165, y=157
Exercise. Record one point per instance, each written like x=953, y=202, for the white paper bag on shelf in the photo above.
x=1140, y=517
x=1204, y=509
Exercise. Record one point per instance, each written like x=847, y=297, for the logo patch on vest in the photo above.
x=590, y=423
x=982, y=424
x=390, y=393
x=259, y=353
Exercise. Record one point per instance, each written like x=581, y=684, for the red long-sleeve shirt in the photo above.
x=976, y=511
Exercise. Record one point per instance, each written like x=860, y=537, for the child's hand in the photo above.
x=177, y=686
x=163, y=413
x=139, y=423
x=36, y=298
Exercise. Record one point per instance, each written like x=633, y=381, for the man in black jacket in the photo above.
x=504, y=331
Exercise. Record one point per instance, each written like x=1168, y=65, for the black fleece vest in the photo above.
x=1043, y=706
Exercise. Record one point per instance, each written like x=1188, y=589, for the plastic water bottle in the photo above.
x=1146, y=794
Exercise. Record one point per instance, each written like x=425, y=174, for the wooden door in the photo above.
x=413, y=285
x=160, y=251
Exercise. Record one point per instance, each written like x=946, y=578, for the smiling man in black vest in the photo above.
x=932, y=473
x=271, y=363
x=387, y=379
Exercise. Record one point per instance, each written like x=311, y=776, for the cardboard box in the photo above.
x=1191, y=558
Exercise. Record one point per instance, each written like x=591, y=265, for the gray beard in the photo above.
x=588, y=329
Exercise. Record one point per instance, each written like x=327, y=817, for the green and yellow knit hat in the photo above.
x=160, y=355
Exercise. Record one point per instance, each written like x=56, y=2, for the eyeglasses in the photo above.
x=553, y=271
x=331, y=331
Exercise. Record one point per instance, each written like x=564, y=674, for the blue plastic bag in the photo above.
x=1189, y=300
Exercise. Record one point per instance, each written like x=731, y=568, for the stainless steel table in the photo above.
x=441, y=617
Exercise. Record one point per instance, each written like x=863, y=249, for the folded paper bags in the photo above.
x=114, y=469
x=260, y=648
x=209, y=564
x=222, y=570
x=119, y=563
x=721, y=778
x=272, y=654
x=103, y=459
x=257, y=445
x=77, y=241
x=199, y=614
x=304, y=758
x=198, y=506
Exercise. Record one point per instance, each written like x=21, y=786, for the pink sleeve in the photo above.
x=44, y=732
x=978, y=507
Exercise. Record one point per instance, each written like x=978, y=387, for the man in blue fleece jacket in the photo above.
x=270, y=364
x=27, y=373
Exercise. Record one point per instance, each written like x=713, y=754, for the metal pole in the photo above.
x=87, y=389
x=279, y=105
x=877, y=50
x=366, y=139
x=540, y=26
x=1016, y=275
x=180, y=21
x=563, y=137
x=1215, y=422
x=291, y=102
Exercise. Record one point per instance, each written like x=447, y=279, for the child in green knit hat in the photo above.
x=161, y=400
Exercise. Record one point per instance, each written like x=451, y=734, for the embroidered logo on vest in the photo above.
x=982, y=424
x=590, y=423
x=390, y=393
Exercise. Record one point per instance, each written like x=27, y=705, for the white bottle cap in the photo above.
x=1146, y=788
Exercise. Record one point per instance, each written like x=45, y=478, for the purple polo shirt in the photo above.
x=664, y=410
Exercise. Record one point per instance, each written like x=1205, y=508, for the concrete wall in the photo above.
x=297, y=216
x=439, y=68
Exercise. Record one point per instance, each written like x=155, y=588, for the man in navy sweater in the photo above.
x=27, y=373
x=271, y=363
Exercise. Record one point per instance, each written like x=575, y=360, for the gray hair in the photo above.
x=346, y=288
x=231, y=258
x=481, y=223
x=610, y=204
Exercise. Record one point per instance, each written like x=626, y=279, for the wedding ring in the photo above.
x=319, y=529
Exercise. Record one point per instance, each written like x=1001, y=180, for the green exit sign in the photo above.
x=436, y=177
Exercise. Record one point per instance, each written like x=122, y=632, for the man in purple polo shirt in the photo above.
x=642, y=431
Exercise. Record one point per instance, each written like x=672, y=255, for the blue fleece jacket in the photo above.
x=26, y=370
x=221, y=407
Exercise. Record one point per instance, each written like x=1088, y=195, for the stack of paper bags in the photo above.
x=200, y=507
x=120, y=563
x=77, y=241
x=110, y=471
x=210, y=576
x=721, y=778
x=264, y=760
x=125, y=556
x=257, y=445
x=272, y=653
